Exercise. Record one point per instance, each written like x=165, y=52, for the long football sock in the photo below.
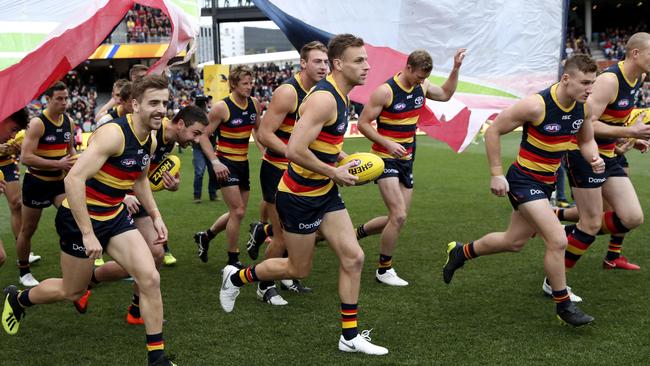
x=233, y=258
x=155, y=347
x=578, y=243
x=23, y=298
x=134, y=309
x=562, y=299
x=468, y=251
x=614, y=248
x=268, y=230
x=23, y=267
x=612, y=224
x=244, y=276
x=361, y=232
x=385, y=263
x=349, y=321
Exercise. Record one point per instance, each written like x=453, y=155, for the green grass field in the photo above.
x=493, y=313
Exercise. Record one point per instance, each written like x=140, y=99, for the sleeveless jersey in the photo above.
x=106, y=190
x=233, y=135
x=163, y=148
x=53, y=145
x=116, y=112
x=286, y=127
x=544, y=142
x=398, y=121
x=617, y=112
x=327, y=146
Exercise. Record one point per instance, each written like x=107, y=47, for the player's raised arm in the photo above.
x=446, y=91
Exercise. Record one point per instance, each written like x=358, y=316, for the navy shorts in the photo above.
x=11, y=172
x=581, y=175
x=38, y=193
x=303, y=214
x=140, y=214
x=524, y=188
x=622, y=161
x=239, y=175
x=402, y=169
x=71, y=239
x=270, y=176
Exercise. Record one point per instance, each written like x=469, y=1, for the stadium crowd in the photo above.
x=145, y=24
x=612, y=41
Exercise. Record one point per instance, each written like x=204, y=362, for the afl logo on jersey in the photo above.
x=50, y=138
x=236, y=121
x=623, y=103
x=128, y=162
x=552, y=128
x=400, y=106
x=419, y=101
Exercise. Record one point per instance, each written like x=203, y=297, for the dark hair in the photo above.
x=190, y=115
x=58, y=86
x=157, y=82
x=135, y=69
x=340, y=43
x=201, y=101
x=581, y=62
x=237, y=73
x=420, y=60
x=313, y=45
x=21, y=117
x=125, y=91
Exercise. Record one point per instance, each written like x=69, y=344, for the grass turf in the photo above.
x=492, y=313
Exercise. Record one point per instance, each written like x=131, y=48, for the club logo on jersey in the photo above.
x=340, y=128
x=145, y=160
x=576, y=125
x=552, y=127
x=419, y=101
x=623, y=103
x=253, y=116
x=400, y=106
x=66, y=136
x=50, y=138
x=128, y=162
x=237, y=121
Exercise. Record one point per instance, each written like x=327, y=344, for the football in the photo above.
x=368, y=168
x=171, y=164
x=18, y=139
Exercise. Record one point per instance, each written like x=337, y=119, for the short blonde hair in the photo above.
x=237, y=73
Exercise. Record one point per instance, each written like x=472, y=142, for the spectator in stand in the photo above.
x=145, y=24
x=201, y=162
